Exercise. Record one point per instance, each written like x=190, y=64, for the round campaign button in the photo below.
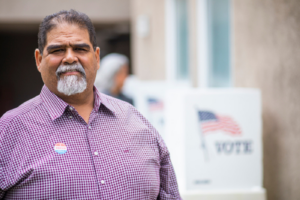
x=60, y=148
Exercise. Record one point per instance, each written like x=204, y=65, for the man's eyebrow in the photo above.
x=55, y=46
x=58, y=46
x=83, y=45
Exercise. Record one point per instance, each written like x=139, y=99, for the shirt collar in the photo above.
x=56, y=106
x=102, y=99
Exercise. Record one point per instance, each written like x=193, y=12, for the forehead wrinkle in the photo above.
x=62, y=37
x=66, y=29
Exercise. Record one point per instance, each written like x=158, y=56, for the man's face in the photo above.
x=68, y=48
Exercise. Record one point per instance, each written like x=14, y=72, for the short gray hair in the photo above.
x=109, y=66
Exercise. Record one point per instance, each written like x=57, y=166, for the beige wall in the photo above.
x=193, y=65
x=267, y=56
x=33, y=11
x=149, y=53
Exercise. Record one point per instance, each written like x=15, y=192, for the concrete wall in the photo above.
x=149, y=53
x=193, y=67
x=267, y=55
x=33, y=11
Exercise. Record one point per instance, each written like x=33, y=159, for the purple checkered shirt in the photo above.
x=117, y=155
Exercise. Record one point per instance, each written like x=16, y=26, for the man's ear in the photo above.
x=97, y=54
x=38, y=59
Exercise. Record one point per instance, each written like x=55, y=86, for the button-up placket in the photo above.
x=95, y=151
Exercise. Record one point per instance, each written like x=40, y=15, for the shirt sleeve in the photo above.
x=168, y=183
x=7, y=146
x=2, y=193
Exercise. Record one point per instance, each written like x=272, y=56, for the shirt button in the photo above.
x=96, y=153
x=70, y=108
x=102, y=181
x=90, y=127
x=70, y=117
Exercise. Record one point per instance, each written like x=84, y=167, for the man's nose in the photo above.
x=70, y=57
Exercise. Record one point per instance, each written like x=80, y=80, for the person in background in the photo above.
x=112, y=74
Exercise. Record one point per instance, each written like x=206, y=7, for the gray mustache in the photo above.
x=72, y=67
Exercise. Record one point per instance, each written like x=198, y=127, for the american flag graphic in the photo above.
x=211, y=122
x=155, y=104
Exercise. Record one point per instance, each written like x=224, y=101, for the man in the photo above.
x=72, y=142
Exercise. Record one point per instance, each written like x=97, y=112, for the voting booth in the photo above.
x=149, y=100
x=214, y=137
x=215, y=141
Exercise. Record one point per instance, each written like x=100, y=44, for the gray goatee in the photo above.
x=72, y=84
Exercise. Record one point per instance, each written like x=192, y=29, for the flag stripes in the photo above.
x=211, y=122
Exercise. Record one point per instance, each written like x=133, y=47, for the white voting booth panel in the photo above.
x=214, y=138
x=149, y=99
